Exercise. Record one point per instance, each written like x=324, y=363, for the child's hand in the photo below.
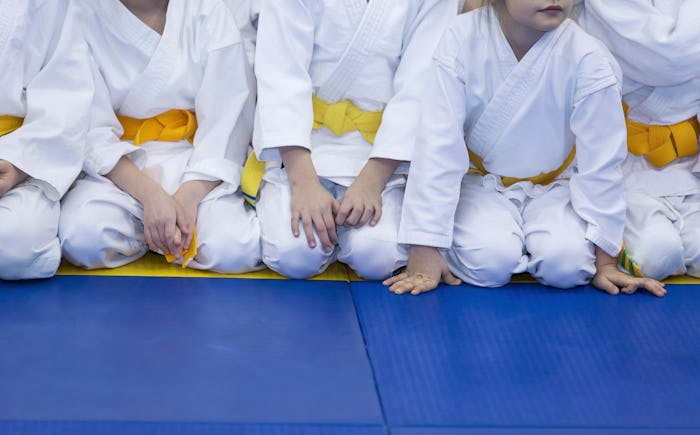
x=159, y=223
x=426, y=267
x=10, y=176
x=188, y=197
x=361, y=201
x=315, y=207
x=608, y=278
x=311, y=203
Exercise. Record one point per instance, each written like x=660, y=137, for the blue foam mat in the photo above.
x=526, y=356
x=170, y=428
x=183, y=350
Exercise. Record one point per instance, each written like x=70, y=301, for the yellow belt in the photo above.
x=8, y=124
x=340, y=118
x=662, y=144
x=171, y=126
x=625, y=260
x=543, y=179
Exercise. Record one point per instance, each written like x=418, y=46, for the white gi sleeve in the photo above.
x=284, y=49
x=50, y=144
x=597, y=187
x=104, y=144
x=654, y=48
x=440, y=158
x=397, y=134
x=224, y=105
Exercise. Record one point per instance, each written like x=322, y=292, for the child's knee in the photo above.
x=293, y=258
x=233, y=250
x=659, y=255
x=29, y=245
x=492, y=265
x=691, y=243
x=562, y=264
x=371, y=258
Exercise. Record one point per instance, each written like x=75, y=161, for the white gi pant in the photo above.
x=102, y=226
x=372, y=252
x=497, y=235
x=29, y=246
x=663, y=234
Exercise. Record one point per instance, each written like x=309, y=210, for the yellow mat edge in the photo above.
x=153, y=265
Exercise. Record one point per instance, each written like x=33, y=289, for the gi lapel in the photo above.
x=358, y=50
x=508, y=99
x=147, y=88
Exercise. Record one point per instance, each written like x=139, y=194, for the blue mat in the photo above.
x=170, y=428
x=183, y=350
x=138, y=355
x=529, y=357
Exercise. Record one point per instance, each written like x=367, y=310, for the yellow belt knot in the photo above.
x=9, y=123
x=344, y=117
x=662, y=144
x=170, y=126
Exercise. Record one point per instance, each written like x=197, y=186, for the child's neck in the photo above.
x=521, y=38
x=151, y=12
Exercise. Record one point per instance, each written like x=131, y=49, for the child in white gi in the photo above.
x=339, y=86
x=172, y=119
x=522, y=84
x=44, y=105
x=661, y=65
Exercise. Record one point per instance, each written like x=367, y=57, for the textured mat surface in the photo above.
x=530, y=357
x=176, y=350
x=169, y=428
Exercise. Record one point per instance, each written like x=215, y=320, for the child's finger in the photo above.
x=377, y=214
x=608, y=286
x=629, y=289
x=341, y=215
x=396, y=278
x=356, y=216
x=654, y=287
x=329, y=223
x=322, y=232
x=403, y=286
x=295, y=223
x=366, y=215
x=308, y=226
x=450, y=279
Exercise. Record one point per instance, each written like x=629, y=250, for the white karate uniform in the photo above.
x=661, y=65
x=523, y=119
x=197, y=64
x=246, y=13
x=299, y=44
x=45, y=80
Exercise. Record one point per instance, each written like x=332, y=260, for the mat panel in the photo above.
x=166, y=428
x=532, y=357
x=183, y=350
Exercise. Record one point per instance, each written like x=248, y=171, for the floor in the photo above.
x=169, y=354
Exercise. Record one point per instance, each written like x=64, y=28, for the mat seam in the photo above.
x=387, y=429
